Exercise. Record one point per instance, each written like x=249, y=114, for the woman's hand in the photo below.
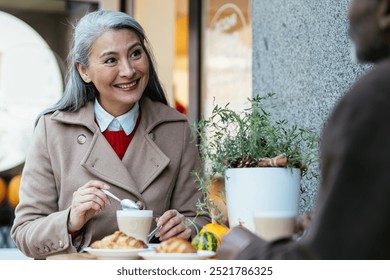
x=173, y=223
x=87, y=201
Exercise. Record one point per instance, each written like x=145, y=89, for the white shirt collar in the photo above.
x=106, y=121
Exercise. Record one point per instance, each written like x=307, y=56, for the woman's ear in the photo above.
x=83, y=73
x=384, y=15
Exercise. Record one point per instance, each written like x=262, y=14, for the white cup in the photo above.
x=272, y=225
x=135, y=223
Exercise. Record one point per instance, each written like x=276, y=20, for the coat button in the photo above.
x=81, y=139
x=152, y=136
x=61, y=244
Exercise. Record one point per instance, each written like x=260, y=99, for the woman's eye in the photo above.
x=110, y=60
x=136, y=53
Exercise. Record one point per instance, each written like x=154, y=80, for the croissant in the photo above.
x=175, y=245
x=119, y=240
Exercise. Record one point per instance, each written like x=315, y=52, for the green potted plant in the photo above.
x=251, y=142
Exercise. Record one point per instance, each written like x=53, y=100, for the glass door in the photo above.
x=227, y=54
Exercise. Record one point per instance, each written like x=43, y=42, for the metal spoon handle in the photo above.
x=150, y=235
x=111, y=195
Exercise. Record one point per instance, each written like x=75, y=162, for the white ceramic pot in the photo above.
x=252, y=190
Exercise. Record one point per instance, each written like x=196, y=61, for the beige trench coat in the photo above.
x=68, y=150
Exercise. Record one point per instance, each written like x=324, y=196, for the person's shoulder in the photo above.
x=373, y=86
x=161, y=111
x=368, y=97
x=44, y=117
x=376, y=77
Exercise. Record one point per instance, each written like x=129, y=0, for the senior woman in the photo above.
x=112, y=129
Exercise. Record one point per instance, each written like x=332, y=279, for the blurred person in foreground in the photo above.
x=352, y=216
x=112, y=129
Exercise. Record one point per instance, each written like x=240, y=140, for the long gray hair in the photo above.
x=90, y=27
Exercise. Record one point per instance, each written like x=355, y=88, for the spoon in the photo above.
x=127, y=204
x=150, y=235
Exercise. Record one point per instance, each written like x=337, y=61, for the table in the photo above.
x=86, y=256
x=12, y=254
x=72, y=256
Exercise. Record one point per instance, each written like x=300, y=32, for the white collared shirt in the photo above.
x=106, y=121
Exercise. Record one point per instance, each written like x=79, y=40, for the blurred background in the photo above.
x=203, y=50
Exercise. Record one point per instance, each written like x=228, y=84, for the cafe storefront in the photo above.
x=203, y=51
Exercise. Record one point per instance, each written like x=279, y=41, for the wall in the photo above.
x=158, y=20
x=301, y=51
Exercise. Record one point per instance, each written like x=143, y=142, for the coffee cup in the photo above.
x=135, y=223
x=272, y=225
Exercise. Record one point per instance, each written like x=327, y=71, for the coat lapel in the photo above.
x=102, y=161
x=143, y=161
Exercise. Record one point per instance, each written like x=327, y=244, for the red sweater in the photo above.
x=119, y=141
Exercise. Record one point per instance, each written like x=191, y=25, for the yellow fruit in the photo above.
x=217, y=229
x=3, y=190
x=13, y=190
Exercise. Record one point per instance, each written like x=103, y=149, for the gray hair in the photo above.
x=89, y=28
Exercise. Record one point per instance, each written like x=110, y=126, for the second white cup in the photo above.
x=135, y=223
x=274, y=225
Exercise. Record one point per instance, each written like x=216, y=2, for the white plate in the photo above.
x=116, y=254
x=200, y=255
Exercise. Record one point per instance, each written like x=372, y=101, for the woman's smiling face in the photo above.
x=119, y=69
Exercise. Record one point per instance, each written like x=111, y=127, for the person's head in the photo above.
x=109, y=53
x=369, y=29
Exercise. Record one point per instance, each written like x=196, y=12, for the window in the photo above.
x=227, y=49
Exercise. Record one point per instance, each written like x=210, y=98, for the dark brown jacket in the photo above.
x=352, y=217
